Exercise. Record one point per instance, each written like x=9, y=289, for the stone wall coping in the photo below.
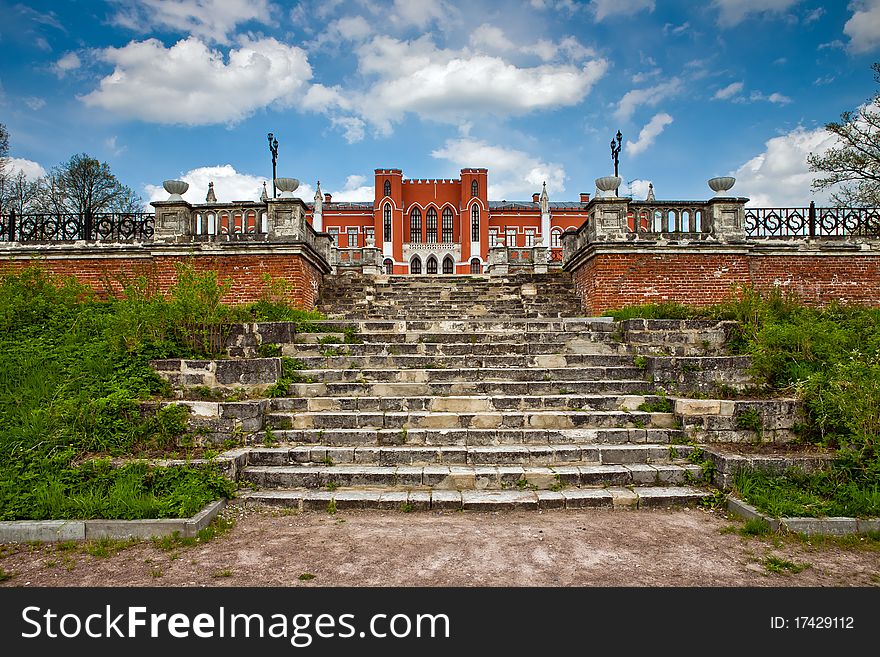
x=20, y=531
x=808, y=526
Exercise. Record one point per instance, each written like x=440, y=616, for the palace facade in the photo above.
x=443, y=226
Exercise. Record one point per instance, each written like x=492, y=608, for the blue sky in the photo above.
x=533, y=90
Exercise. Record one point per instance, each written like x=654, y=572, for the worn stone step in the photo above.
x=566, y=350
x=637, y=497
x=469, y=437
x=556, y=419
x=469, y=477
x=547, y=454
x=338, y=359
x=454, y=374
x=465, y=403
x=441, y=388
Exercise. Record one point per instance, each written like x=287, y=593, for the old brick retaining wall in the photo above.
x=615, y=275
x=106, y=267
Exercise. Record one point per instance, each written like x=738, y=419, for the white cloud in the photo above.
x=229, y=185
x=515, y=174
x=212, y=20
x=452, y=85
x=730, y=90
x=421, y=13
x=638, y=189
x=733, y=12
x=863, y=28
x=776, y=98
x=814, y=15
x=651, y=96
x=352, y=127
x=491, y=38
x=69, y=62
x=32, y=170
x=649, y=133
x=348, y=29
x=34, y=102
x=354, y=190
x=114, y=147
x=779, y=176
x=191, y=84
x=676, y=30
x=605, y=8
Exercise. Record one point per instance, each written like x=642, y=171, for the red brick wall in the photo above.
x=106, y=274
x=614, y=280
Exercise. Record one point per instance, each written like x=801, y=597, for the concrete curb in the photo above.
x=22, y=531
x=808, y=526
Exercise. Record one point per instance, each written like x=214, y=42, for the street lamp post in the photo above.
x=615, y=152
x=273, y=148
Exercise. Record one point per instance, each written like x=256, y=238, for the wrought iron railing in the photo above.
x=765, y=223
x=62, y=226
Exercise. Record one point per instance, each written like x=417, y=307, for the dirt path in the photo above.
x=266, y=547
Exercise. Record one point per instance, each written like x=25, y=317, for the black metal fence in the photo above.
x=60, y=227
x=763, y=223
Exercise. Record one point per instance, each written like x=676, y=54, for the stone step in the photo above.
x=559, y=454
x=465, y=403
x=571, y=348
x=490, y=325
x=637, y=497
x=439, y=388
x=469, y=437
x=469, y=477
x=470, y=374
x=556, y=419
x=334, y=359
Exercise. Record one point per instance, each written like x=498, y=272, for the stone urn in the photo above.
x=175, y=188
x=721, y=184
x=607, y=184
x=287, y=186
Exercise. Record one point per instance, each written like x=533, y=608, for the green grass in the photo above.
x=780, y=566
x=830, y=358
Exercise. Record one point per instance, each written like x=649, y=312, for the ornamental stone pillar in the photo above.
x=728, y=218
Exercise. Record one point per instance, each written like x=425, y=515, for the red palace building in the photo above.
x=445, y=226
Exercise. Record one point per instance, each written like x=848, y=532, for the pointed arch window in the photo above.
x=475, y=188
x=415, y=265
x=387, y=223
x=447, y=225
x=448, y=265
x=415, y=226
x=386, y=189
x=431, y=228
x=431, y=267
x=475, y=223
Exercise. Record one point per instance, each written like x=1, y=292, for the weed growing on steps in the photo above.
x=781, y=566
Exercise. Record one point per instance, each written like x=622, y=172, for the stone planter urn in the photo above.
x=287, y=186
x=721, y=185
x=175, y=188
x=607, y=184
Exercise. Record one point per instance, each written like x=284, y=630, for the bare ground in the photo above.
x=590, y=547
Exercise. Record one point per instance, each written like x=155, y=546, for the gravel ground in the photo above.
x=590, y=547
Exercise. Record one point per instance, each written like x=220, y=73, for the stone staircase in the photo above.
x=520, y=295
x=427, y=409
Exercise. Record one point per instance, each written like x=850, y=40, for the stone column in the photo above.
x=607, y=222
x=173, y=220
x=498, y=260
x=371, y=260
x=540, y=259
x=287, y=217
x=727, y=216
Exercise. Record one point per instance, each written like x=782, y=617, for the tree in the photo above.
x=852, y=168
x=4, y=163
x=83, y=184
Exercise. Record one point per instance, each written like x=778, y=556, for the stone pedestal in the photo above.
x=371, y=260
x=540, y=264
x=173, y=220
x=498, y=265
x=728, y=218
x=287, y=219
x=607, y=222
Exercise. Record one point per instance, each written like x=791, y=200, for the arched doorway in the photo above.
x=415, y=265
x=431, y=265
x=388, y=265
x=448, y=265
x=476, y=267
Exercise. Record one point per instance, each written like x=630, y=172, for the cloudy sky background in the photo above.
x=533, y=90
